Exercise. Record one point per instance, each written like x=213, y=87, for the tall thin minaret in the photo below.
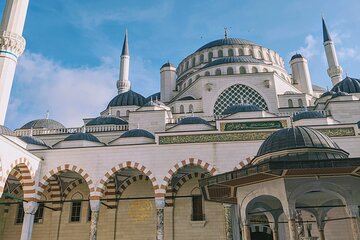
x=334, y=70
x=123, y=84
x=12, y=45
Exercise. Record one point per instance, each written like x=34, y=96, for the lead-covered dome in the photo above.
x=192, y=120
x=237, y=59
x=82, y=136
x=43, y=123
x=299, y=143
x=106, y=120
x=349, y=85
x=241, y=108
x=129, y=98
x=226, y=41
x=6, y=131
x=137, y=133
x=33, y=140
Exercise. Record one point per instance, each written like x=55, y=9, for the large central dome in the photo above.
x=226, y=41
x=128, y=98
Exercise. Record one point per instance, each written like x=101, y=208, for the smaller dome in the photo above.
x=308, y=115
x=82, y=136
x=6, y=131
x=33, y=140
x=349, y=85
x=241, y=108
x=137, y=133
x=129, y=98
x=298, y=55
x=43, y=123
x=168, y=64
x=186, y=98
x=192, y=120
x=106, y=120
x=339, y=94
x=155, y=96
x=290, y=93
x=327, y=93
x=154, y=103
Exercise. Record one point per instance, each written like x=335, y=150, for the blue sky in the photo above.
x=71, y=62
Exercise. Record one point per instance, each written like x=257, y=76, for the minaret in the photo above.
x=123, y=84
x=12, y=45
x=335, y=70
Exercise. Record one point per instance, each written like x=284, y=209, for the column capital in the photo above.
x=30, y=207
x=352, y=211
x=95, y=205
x=160, y=203
x=11, y=43
x=227, y=205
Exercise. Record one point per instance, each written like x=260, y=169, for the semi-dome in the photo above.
x=154, y=103
x=290, y=93
x=155, y=96
x=6, y=131
x=106, y=120
x=241, y=108
x=168, y=64
x=308, y=115
x=298, y=55
x=192, y=120
x=327, y=93
x=43, y=123
x=226, y=41
x=82, y=136
x=349, y=85
x=128, y=98
x=237, y=59
x=137, y=133
x=187, y=98
x=305, y=143
x=339, y=94
x=33, y=140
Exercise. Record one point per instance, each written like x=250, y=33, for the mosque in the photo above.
x=233, y=146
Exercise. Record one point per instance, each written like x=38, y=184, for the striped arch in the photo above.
x=111, y=193
x=128, y=182
x=243, y=163
x=192, y=162
x=134, y=165
x=55, y=192
x=64, y=168
x=72, y=186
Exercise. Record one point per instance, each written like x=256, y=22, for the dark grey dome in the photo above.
x=43, y=123
x=186, y=98
x=296, y=56
x=226, y=41
x=33, y=140
x=237, y=59
x=155, y=96
x=327, y=93
x=349, y=85
x=308, y=115
x=6, y=131
x=192, y=120
x=106, y=120
x=290, y=93
x=154, y=103
x=167, y=65
x=82, y=136
x=137, y=133
x=241, y=108
x=128, y=98
x=339, y=94
x=301, y=138
x=318, y=88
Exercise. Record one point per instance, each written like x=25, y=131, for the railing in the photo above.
x=89, y=129
x=290, y=114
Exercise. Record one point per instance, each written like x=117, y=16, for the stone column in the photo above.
x=160, y=205
x=353, y=212
x=246, y=232
x=95, y=208
x=275, y=234
x=228, y=222
x=27, y=226
x=321, y=234
x=292, y=229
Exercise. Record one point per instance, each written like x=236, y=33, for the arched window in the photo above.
x=172, y=109
x=242, y=70
x=191, y=108
x=254, y=70
x=182, y=109
x=290, y=103
x=230, y=71
x=250, y=52
x=201, y=58
x=182, y=68
x=207, y=73
x=269, y=57
x=197, y=76
x=260, y=55
x=118, y=113
x=220, y=53
x=230, y=53
x=193, y=62
x=184, y=85
x=241, y=51
x=190, y=82
x=186, y=66
x=266, y=70
x=300, y=102
x=127, y=112
x=218, y=72
x=283, y=76
x=210, y=56
x=179, y=87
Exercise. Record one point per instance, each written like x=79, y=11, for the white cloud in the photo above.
x=311, y=48
x=349, y=53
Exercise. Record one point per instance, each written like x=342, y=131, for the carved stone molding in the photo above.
x=12, y=43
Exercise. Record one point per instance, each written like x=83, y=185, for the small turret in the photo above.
x=123, y=84
x=301, y=74
x=334, y=70
x=167, y=82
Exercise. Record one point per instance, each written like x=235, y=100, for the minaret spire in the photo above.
x=334, y=70
x=12, y=45
x=123, y=84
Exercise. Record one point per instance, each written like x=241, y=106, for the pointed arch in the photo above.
x=65, y=168
x=243, y=163
x=129, y=164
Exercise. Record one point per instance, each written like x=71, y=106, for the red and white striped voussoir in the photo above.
x=128, y=182
x=72, y=186
x=186, y=178
x=134, y=165
x=24, y=166
x=243, y=163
